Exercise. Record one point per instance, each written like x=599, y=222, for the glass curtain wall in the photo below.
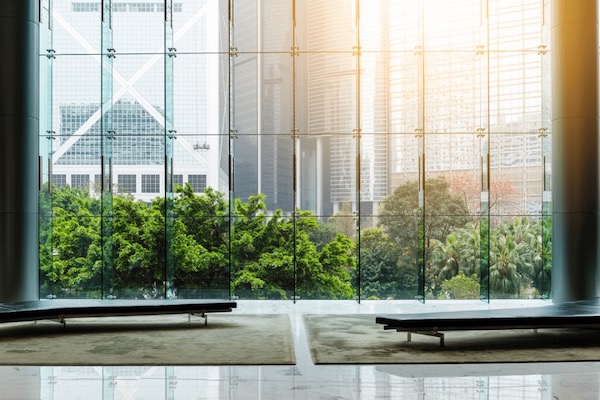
x=297, y=149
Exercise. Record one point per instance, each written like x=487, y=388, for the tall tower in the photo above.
x=341, y=89
x=262, y=102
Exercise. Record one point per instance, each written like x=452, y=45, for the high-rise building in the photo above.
x=138, y=159
x=343, y=93
x=119, y=105
x=470, y=79
x=262, y=97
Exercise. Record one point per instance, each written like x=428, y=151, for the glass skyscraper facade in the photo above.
x=332, y=148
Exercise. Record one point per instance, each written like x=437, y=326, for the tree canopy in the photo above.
x=204, y=245
x=197, y=249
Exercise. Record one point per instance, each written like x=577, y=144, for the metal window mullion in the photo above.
x=294, y=54
x=230, y=142
x=358, y=54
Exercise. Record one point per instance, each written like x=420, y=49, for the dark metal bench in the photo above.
x=577, y=314
x=62, y=309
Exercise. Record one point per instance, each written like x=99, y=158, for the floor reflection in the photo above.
x=511, y=381
x=544, y=381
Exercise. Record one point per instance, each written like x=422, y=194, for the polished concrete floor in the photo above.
x=552, y=381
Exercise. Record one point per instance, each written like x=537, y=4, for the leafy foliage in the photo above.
x=408, y=225
x=203, y=245
x=460, y=287
x=260, y=256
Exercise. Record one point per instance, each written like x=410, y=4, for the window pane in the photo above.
x=126, y=184
x=150, y=183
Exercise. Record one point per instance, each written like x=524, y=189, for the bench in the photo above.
x=62, y=309
x=577, y=314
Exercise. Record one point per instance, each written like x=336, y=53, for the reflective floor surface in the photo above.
x=552, y=381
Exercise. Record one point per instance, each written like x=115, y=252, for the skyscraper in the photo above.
x=136, y=119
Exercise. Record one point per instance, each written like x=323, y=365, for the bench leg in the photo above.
x=203, y=315
x=436, y=334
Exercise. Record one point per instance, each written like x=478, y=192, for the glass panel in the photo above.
x=328, y=99
x=201, y=27
x=390, y=26
x=405, y=93
x=452, y=193
x=201, y=225
x=107, y=134
x=458, y=25
x=170, y=135
x=263, y=120
x=516, y=174
x=76, y=96
x=263, y=252
x=373, y=179
x=138, y=27
x=325, y=256
x=327, y=189
x=516, y=198
x=262, y=26
x=516, y=92
x=76, y=28
x=516, y=25
x=374, y=104
x=138, y=168
x=74, y=268
x=543, y=267
x=326, y=26
x=200, y=104
x=76, y=245
x=138, y=248
x=201, y=245
x=484, y=219
x=516, y=246
x=455, y=92
x=399, y=228
x=45, y=153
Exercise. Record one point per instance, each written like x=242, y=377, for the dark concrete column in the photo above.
x=575, y=165
x=19, y=122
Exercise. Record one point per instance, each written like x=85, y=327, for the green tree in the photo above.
x=268, y=256
x=71, y=244
x=542, y=259
x=460, y=287
x=382, y=275
x=265, y=250
x=460, y=253
x=518, y=258
x=201, y=234
x=344, y=220
x=443, y=212
x=136, y=258
x=505, y=279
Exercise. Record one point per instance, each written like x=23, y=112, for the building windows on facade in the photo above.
x=81, y=181
x=198, y=182
x=119, y=7
x=177, y=180
x=126, y=183
x=59, y=180
x=85, y=7
x=97, y=181
x=151, y=183
x=124, y=7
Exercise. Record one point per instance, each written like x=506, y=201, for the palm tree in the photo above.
x=470, y=251
x=505, y=280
